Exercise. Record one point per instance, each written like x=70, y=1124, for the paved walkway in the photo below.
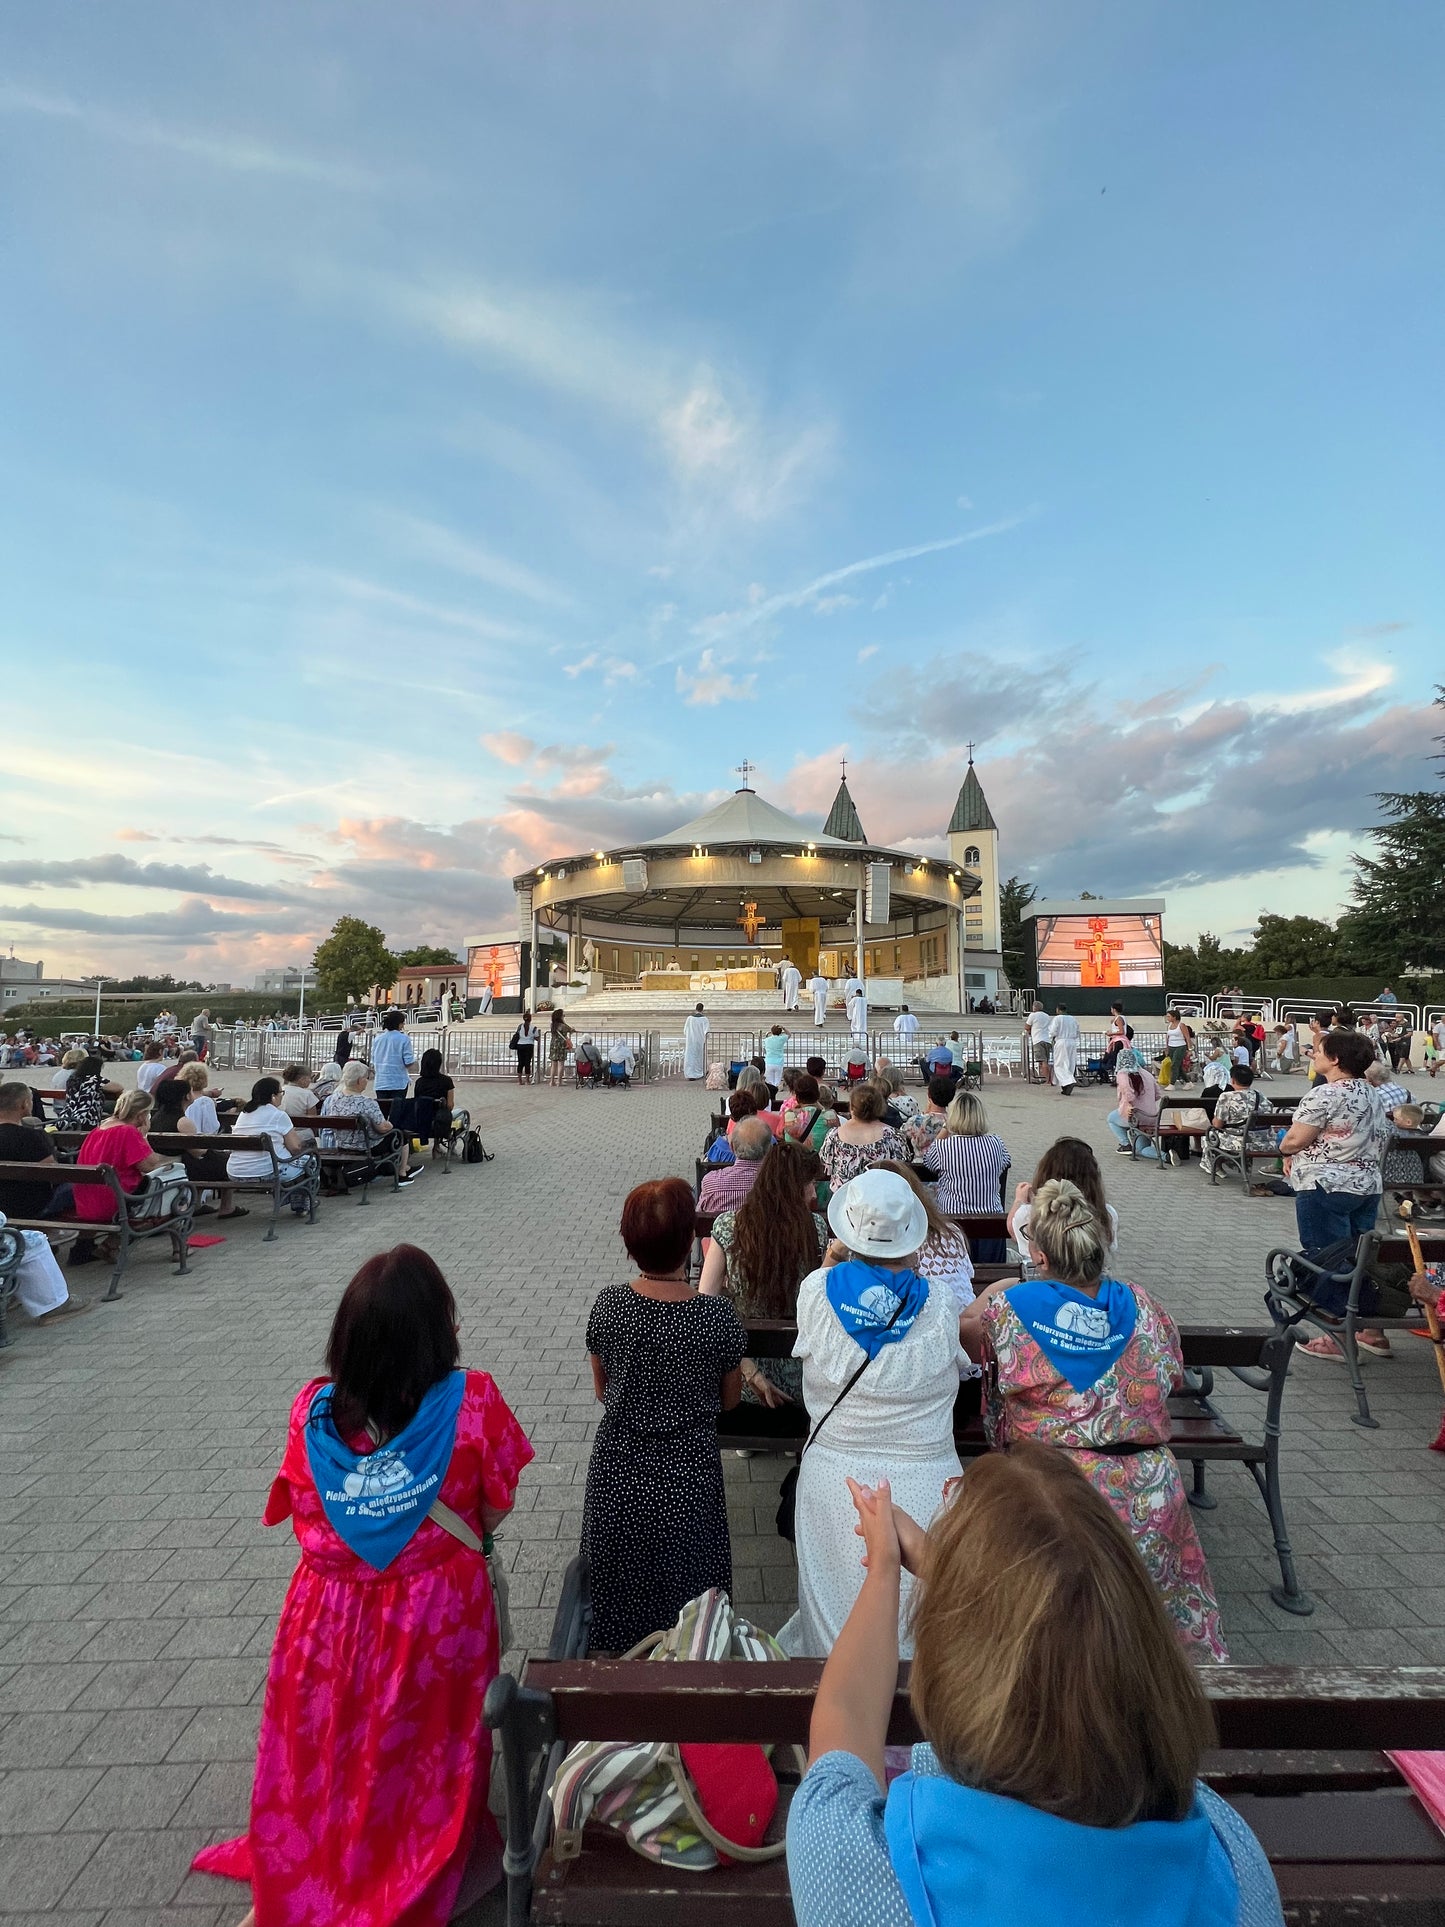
x=138, y=1591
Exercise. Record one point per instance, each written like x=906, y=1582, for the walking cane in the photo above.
x=1432, y=1320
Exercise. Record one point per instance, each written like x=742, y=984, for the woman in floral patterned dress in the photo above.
x=369, y=1804
x=1087, y=1363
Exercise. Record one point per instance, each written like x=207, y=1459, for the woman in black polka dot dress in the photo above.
x=664, y=1362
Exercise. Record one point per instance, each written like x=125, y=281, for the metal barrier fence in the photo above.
x=729, y=1047
x=467, y=1052
x=1092, y=1043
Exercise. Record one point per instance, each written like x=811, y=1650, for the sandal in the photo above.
x=225, y=1217
x=1379, y=1347
x=1319, y=1348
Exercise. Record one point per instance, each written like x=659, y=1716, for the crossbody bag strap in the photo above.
x=456, y=1525
x=867, y=1361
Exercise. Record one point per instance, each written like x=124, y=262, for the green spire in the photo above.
x=971, y=811
x=843, y=817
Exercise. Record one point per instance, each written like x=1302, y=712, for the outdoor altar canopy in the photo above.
x=716, y=905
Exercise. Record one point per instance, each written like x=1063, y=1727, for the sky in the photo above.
x=440, y=438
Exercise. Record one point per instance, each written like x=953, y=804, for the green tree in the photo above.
x=1014, y=897
x=352, y=959
x=1181, y=967
x=1294, y=947
x=421, y=954
x=1396, y=917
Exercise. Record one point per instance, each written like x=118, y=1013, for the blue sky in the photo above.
x=441, y=437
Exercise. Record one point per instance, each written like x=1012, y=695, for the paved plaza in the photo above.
x=139, y=1592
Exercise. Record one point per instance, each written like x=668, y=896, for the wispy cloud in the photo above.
x=713, y=685
x=811, y=592
x=433, y=542
x=360, y=589
x=1360, y=678
x=238, y=154
x=721, y=447
x=615, y=669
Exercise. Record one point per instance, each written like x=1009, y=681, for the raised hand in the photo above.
x=876, y=1528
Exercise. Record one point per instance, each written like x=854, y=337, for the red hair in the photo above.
x=657, y=1224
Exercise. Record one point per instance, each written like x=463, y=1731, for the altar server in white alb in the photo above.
x=905, y=1025
x=819, y=986
x=792, y=983
x=694, y=1044
x=1064, y=1037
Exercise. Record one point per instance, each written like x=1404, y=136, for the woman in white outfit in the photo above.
x=868, y=1307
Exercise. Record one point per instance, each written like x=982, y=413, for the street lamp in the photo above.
x=301, y=1007
x=98, y=982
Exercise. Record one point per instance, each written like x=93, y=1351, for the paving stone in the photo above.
x=36, y=1869
x=40, y=1799
x=123, y=1797
x=43, y=1739
x=218, y=1733
x=144, y=1867
x=133, y=1736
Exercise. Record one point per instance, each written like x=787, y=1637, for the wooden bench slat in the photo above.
x=1387, y=1824
x=1274, y=1706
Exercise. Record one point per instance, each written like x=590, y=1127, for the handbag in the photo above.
x=666, y=1800
x=785, y=1518
x=473, y=1152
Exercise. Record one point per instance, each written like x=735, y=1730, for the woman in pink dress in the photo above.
x=369, y=1805
x=1086, y=1363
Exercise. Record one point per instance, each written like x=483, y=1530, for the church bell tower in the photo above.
x=973, y=845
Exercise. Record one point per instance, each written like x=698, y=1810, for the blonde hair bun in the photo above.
x=1067, y=1230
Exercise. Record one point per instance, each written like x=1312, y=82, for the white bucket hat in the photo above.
x=878, y=1215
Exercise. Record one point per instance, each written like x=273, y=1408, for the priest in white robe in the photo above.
x=694, y=1045
x=818, y=984
x=1064, y=1036
x=792, y=983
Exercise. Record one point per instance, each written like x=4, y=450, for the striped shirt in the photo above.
x=970, y=1172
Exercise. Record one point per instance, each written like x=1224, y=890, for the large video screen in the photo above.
x=496, y=967
x=1099, y=953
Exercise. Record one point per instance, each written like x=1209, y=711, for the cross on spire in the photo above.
x=747, y=770
x=970, y=746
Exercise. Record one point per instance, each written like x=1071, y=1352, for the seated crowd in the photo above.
x=1009, y=1586
x=174, y=1097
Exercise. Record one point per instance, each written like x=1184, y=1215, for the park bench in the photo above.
x=1290, y=1308
x=1200, y=1433
x=12, y=1252
x=1268, y=1117
x=371, y=1163
x=131, y=1225
x=279, y=1189
x=1302, y=1756
x=1421, y=1147
x=182, y=1144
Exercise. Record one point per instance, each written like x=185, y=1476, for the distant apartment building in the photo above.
x=27, y=983
x=281, y=981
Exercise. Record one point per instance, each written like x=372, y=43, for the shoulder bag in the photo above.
x=785, y=1517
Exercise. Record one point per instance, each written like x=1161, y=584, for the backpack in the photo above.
x=645, y=1789
x=473, y=1152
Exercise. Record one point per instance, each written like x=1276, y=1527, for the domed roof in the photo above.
x=745, y=818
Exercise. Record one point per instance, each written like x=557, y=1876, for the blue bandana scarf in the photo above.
x=866, y=1296
x=1082, y=1337
x=376, y=1500
x=961, y=1854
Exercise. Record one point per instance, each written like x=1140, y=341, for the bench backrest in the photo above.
x=1216, y=1346
x=1272, y=1707
x=22, y=1171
